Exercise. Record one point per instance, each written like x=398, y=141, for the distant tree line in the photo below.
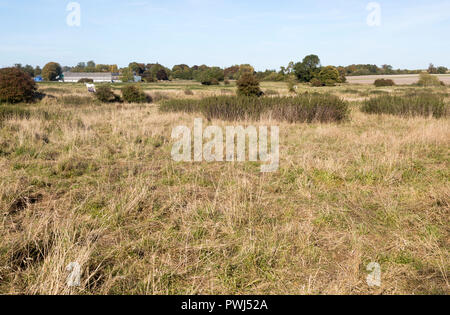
x=308, y=70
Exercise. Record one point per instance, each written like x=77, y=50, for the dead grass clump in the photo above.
x=13, y=111
x=160, y=96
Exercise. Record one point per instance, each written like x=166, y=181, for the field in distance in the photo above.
x=400, y=79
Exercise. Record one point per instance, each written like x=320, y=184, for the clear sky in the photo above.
x=265, y=33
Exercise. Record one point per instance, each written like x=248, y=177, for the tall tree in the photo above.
x=52, y=71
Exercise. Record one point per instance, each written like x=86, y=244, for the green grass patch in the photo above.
x=417, y=104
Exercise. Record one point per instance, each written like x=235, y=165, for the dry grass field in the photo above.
x=95, y=184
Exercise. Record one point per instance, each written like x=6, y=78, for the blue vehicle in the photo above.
x=38, y=79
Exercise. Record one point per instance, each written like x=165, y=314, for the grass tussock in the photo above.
x=75, y=100
x=302, y=108
x=13, y=111
x=413, y=104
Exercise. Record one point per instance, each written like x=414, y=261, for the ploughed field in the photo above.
x=95, y=184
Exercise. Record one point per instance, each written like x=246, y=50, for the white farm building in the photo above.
x=95, y=76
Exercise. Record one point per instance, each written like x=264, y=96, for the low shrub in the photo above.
x=133, y=94
x=16, y=86
x=214, y=81
x=227, y=82
x=188, y=92
x=428, y=80
x=303, y=108
x=316, y=82
x=105, y=94
x=384, y=82
x=248, y=85
x=415, y=104
x=329, y=76
x=85, y=80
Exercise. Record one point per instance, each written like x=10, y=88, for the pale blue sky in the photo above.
x=265, y=33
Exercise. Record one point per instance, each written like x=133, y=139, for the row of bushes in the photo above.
x=414, y=104
x=303, y=108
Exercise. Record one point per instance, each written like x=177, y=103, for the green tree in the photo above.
x=52, y=71
x=29, y=69
x=37, y=71
x=432, y=69
x=329, y=75
x=127, y=75
x=308, y=68
x=442, y=70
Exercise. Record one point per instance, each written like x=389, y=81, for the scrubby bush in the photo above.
x=188, y=92
x=214, y=81
x=329, y=76
x=16, y=86
x=303, y=108
x=106, y=95
x=428, y=80
x=316, y=82
x=134, y=94
x=227, y=82
x=384, y=82
x=414, y=104
x=85, y=80
x=51, y=71
x=248, y=85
